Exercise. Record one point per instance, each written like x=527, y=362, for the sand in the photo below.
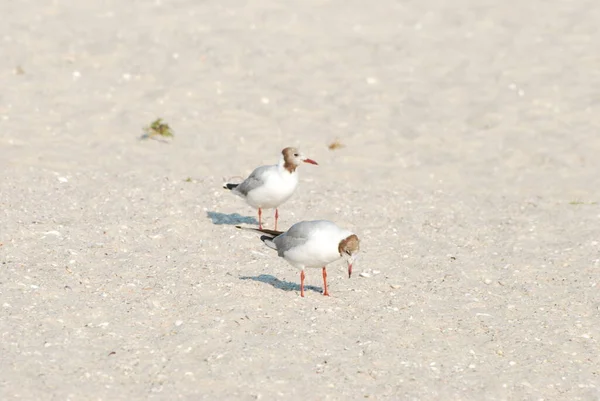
x=470, y=171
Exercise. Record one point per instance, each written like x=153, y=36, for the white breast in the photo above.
x=277, y=188
x=314, y=253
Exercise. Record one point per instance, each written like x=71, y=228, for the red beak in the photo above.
x=311, y=161
x=349, y=270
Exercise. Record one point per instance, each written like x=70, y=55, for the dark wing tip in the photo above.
x=268, y=241
x=272, y=233
x=230, y=186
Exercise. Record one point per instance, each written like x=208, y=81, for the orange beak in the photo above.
x=311, y=161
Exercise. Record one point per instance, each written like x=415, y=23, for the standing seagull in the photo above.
x=312, y=244
x=270, y=186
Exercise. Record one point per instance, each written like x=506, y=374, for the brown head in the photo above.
x=292, y=158
x=348, y=248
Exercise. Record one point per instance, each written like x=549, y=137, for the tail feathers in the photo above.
x=267, y=238
x=269, y=233
x=268, y=241
x=230, y=186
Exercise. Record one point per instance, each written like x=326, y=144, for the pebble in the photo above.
x=364, y=274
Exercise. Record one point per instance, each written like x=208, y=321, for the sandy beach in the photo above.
x=469, y=168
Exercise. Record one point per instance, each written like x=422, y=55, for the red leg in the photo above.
x=276, y=217
x=260, y=218
x=302, y=283
x=325, y=292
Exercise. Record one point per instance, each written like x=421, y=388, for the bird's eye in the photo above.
x=296, y=155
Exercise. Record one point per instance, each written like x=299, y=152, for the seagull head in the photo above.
x=348, y=249
x=292, y=158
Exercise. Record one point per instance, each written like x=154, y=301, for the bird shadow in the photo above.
x=280, y=284
x=144, y=137
x=230, y=219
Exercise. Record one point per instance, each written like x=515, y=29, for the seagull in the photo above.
x=270, y=186
x=312, y=244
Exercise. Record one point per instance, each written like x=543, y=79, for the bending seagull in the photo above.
x=270, y=186
x=312, y=244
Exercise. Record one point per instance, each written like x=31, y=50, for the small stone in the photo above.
x=178, y=322
x=395, y=286
x=487, y=281
x=364, y=274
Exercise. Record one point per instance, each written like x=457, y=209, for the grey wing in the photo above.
x=304, y=229
x=299, y=234
x=254, y=180
x=285, y=242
